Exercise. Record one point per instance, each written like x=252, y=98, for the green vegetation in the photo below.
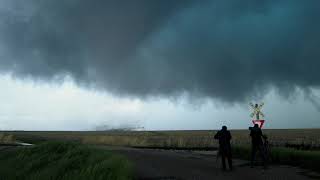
x=65, y=161
x=6, y=138
x=305, y=139
x=154, y=141
x=291, y=146
x=281, y=155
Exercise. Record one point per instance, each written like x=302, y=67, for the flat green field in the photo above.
x=308, y=139
x=288, y=146
x=62, y=160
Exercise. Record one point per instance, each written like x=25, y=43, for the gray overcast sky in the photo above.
x=169, y=64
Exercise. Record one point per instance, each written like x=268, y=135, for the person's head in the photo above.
x=224, y=128
x=256, y=105
x=256, y=126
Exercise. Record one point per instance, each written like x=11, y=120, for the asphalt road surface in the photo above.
x=184, y=165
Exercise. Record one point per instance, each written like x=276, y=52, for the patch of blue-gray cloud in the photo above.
x=226, y=50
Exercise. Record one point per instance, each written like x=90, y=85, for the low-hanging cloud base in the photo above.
x=225, y=50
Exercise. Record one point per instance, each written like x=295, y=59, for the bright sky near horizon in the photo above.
x=30, y=105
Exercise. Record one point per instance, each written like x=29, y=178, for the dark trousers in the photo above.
x=254, y=149
x=225, y=153
x=223, y=159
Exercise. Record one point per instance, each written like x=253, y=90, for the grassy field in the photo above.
x=61, y=160
x=294, y=147
x=280, y=155
x=6, y=138
x=307, y=139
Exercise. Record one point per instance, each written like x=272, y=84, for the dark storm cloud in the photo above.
x=228, y=50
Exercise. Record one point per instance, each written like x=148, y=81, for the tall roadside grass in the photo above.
x=281, y=155
x=6, y=138
x=65, y=161
x=195, y=139
x=152, y=141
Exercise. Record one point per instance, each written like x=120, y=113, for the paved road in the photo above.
x=167, y=164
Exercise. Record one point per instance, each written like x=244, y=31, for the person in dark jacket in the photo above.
x=224, y=137
x=257, y=144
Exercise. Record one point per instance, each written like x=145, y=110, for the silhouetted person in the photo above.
x=224, y=138
x=257, y=144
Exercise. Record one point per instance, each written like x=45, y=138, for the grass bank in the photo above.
x=65, y=161
x=281, y=155
x=6, y=138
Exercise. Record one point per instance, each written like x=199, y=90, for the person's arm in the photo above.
x=264, y=136
x=260, y=132
x=217, y=135
x=229, y=135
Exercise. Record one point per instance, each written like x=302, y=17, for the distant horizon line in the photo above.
x=120, y=130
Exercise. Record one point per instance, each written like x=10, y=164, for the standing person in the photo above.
x=224, y=138
x=257, y=144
